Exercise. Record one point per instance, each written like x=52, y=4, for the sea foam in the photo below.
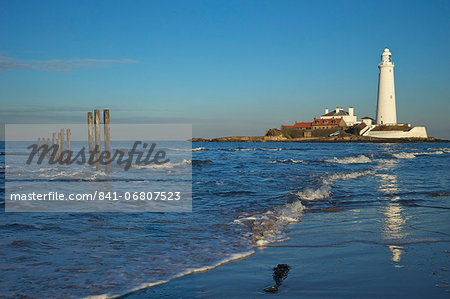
x=198, y=149
x=324, y=190
x=268, y=227
x=75, y=175
x=408, y=155
x=167, y=165
x=287, y=161
x=230, y=258
x=361, y=159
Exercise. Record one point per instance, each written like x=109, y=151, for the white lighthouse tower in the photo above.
x=386, y=113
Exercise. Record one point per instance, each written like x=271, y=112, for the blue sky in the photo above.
x=226, y=67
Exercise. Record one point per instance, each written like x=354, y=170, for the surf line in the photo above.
x=343, y=243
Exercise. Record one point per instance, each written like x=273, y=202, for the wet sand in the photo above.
x=412, y=269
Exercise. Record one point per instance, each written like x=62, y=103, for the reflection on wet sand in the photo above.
x=393, y=221
x=396, y=253
x=393, y=229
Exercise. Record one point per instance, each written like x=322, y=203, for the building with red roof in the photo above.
x=329, y=123
x=300, y=126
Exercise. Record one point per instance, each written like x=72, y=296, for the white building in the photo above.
x=367, y=121
x=349, y=117
x=386, y=111
x=386, y=123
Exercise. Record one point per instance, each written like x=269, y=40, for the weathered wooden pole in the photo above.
x=55, y=150
x=68, y=144
x=90, y=134
x=59, y=145
x=48, y=147
x=98, y=145
x=107, y=137
x=62, y=144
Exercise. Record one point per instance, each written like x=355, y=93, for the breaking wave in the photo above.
x=269, y=227
x=315, y=194
x=198, y=149
x=443, y=149
x=361, y=159
x=250, y=149
x=287, y=161
x=76, y=175
x=347, y=176
x=324, y=190
x=230, y=258
x=403, y=155
x=430, y=153
x=406, y=155
x=257, y=149
x=167, y=165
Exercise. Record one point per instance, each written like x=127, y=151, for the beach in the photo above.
x=224, y=149
x=338, y=271
x=359, y=219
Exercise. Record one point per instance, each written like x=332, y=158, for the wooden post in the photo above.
x=55, y=151
x=68, y=143
x=59, y=145
x=48, y=147
x=90, y=134
x=42, y=146
x=39, y=146
x=107, y=137
x=62, y=144
x=98, y=145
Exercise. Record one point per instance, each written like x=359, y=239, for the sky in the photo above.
x=226, y=67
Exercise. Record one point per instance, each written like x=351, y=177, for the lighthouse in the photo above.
x=386, y=112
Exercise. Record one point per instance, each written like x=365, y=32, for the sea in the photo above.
x=245, y=197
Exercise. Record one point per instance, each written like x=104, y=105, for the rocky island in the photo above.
x=340, y=125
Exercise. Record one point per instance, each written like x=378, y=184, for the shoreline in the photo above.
x=251, y=274
x=345, y=139
x=188, y=272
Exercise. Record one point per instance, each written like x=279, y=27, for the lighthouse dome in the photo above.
x=386, y=52
x=386, y=57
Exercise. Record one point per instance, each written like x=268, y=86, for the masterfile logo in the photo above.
x=140, y=168
x=146, y=156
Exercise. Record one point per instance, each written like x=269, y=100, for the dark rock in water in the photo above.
x=272, y=289
x=280, y=273
x=196, y=163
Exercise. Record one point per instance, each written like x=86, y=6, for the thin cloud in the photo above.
x=46, y=109
x=56, y=65
x=77, y=114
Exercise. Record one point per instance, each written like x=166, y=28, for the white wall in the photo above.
x=415, y=132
